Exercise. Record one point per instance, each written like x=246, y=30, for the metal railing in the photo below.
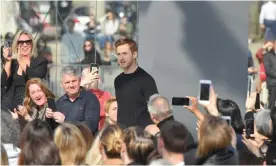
x=107, y=74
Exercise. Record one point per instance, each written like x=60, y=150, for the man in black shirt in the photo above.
x=133, y=87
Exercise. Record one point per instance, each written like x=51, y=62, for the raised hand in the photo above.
x=6, y=54
x=59, y=117
x=49, y=113
x=14, y=114
x=193, y=108
x=250, y=102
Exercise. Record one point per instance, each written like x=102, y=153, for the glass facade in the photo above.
x=73, y=33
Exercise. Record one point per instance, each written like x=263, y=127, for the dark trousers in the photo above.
x=272, y=97
x=270, y=32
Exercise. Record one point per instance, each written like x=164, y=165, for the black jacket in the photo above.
x=13, y=87
x=270, y=68
x=219, y=157
x=90, y=57
x=271, y=154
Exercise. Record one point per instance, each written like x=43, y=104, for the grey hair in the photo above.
x=70, y=70
x=263, y=122
x=159, y=162
x=164, y=110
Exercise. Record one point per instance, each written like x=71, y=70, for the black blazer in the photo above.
x=37, y=69
x=10, y=86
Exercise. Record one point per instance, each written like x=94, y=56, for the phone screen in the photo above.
x=227, y=119
x=204, y=91
x=249, y=127
x=52, y=104
x=180, y=101
x=94, y=67
x=6, y=44
x=257, y=103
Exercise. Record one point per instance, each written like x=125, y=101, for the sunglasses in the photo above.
x=27, y=42
x=89, y=45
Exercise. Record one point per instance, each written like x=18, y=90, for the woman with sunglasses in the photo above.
x=21, y=64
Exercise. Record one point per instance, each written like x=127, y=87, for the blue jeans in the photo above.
x=270, y=32
x=104, y=39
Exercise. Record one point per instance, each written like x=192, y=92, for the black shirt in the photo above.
x=86, y=108
x=270, y=68
x=13, y=87
x=132, y=93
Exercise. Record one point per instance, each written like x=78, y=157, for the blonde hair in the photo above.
x=94, y=156
x=112, y=141
x=139, y=144
x=106, y=109
x=15, y=44
x=214, y=134
x=108, y=104
x=71, y=144
x=28, y=103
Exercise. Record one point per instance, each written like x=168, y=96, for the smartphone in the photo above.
x=258, y=102
x=249, y=127
x=204, y=91
x=52, y=104
x=8, y=44
x=181, y=101
x=228, y=119
x=93, y=67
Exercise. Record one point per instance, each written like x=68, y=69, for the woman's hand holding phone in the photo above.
x=252, y=146
x=193, y=108
x=93, y=76
x=89, y=77
x=23, y=112
x=6, y=53
x=49, y=113
x=250, y=102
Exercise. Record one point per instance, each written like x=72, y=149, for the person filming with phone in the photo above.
x=21, y=64
x=161, y=112
x=90, y=81
x=7, y=44
x=258, y=129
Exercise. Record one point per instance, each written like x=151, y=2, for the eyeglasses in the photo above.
x=27, y=42
x=89, y=45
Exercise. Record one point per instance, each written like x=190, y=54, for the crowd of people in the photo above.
x=136, y=127
x=112, y=28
